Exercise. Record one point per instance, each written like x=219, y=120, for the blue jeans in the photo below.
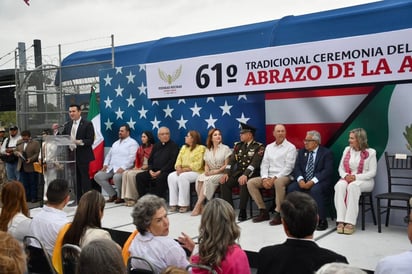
x=12, y=172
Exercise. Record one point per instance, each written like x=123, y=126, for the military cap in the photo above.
x=247, y=128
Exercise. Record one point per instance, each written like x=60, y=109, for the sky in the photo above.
x=86, y=25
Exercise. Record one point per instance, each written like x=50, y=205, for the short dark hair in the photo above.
x=76, y=106
x=57, y=191
x=26, y=133
x=300, y=213
x=126, y=126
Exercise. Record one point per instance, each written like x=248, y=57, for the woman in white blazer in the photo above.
x=357, y=170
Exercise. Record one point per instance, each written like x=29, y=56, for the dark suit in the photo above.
x=84, y=154
x=295, y=256
x=163, y=158
x=323, y=172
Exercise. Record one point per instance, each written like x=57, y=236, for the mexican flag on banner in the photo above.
x=98, y=145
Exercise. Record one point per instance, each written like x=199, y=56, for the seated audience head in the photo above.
x=148, y=137
x=13, y=198
x=299, y=213
x=358, y=139
x=101, y=256
x=339, y=268
x=218, y=230
x=213, y=132
x=12, y=257
x=88, y=214
x=58, y=192
x=163, y=134
x=150, y=215
x=192, y=139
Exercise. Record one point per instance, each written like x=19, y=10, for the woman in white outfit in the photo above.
x=15, y=216
x=189, y=164
x=216, y=158
x=129, y=189
x=357, y=170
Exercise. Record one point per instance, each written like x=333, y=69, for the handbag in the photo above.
x=37, y=167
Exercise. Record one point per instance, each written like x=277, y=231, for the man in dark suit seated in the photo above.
x=299, y=254
x=313, y=173
x=161, y=162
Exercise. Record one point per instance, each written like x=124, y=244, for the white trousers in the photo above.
x=347, y=199
x=179, y=187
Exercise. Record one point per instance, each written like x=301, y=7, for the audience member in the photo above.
x=28, y=151
x=120, y=158
x=299, y=254
x=101, y=256
x=216, y=158
x=12, y=257
x=85, y=227
x=7, y=153
x=81, y=132
x=189, y=164
x=218, y=236
x=129, y=190
x=339, y=268
x=47, y=158
x=15, y=215
x=152, y=243
x=47, y=223
x=277, y=165
x=161, y=163
x=3, y=176
x=244, y=164
x=357, y=170
x=399, y=263
x=313, y=173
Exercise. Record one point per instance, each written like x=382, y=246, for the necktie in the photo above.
x=310, y=168
x=73, y=132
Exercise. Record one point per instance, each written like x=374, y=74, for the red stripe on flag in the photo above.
x=319, y=93
x=295, y=133
x=96, y=164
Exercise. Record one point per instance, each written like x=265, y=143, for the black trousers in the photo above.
x=146, y=184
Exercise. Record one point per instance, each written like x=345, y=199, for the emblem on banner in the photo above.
x=170, y=78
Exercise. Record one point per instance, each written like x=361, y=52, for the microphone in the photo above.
x=63, y=124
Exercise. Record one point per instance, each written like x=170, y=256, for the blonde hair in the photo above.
x=217, y=233
x=12, y=257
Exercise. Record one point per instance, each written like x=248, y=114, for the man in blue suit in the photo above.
x=313, y=173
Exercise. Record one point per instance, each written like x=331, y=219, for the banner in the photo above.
x=373, y=58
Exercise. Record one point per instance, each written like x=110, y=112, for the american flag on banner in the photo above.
x=123, y=99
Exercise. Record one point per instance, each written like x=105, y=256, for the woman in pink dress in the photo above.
x=218, y=236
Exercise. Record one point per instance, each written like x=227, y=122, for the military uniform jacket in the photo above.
x=245, y=159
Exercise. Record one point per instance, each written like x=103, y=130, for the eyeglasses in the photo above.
x=308, y=140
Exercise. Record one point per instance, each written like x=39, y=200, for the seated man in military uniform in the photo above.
x=243, y=164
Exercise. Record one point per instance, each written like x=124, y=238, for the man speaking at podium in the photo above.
x=81, y=132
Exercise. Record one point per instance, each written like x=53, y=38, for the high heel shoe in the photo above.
x=197, y=210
